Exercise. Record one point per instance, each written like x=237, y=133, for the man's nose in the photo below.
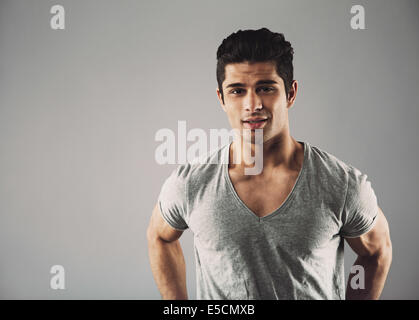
x=252, y=102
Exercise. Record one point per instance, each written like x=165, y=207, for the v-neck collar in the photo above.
x=287, y=200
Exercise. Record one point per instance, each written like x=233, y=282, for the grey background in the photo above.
x=79, y=109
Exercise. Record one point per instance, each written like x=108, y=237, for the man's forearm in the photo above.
x=168, y=267
x=376, y=270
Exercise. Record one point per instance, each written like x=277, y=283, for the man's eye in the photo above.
x=236, y=91
x=267, y=89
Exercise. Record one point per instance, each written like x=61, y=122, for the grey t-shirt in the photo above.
x=296, y=252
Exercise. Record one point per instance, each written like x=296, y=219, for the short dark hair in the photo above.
x=256, y=46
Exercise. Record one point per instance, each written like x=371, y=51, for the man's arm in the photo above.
x=374, y=252
x=166, y=258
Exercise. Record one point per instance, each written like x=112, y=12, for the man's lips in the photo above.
x=254, y=123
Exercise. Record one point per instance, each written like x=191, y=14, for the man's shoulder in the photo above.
x=334, y=179
x=328, y=164
x=200, y=168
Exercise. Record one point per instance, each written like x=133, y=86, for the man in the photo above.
x=278, y=234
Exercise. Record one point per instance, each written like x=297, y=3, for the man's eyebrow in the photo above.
x=239, y=84
x=266, y=82
x=235, y=85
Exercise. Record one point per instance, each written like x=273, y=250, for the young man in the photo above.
x=278, y=234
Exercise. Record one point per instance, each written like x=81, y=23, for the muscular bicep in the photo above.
x=159, y=228
x=374, y=242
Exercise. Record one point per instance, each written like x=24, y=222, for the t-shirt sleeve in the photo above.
x=361, y=207
x=172, y=200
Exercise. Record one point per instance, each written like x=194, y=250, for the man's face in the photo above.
x=253, y=92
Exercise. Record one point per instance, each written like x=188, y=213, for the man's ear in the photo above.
x=292, y=94
x=220, y=98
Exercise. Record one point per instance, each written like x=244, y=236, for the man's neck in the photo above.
x=280, y=153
